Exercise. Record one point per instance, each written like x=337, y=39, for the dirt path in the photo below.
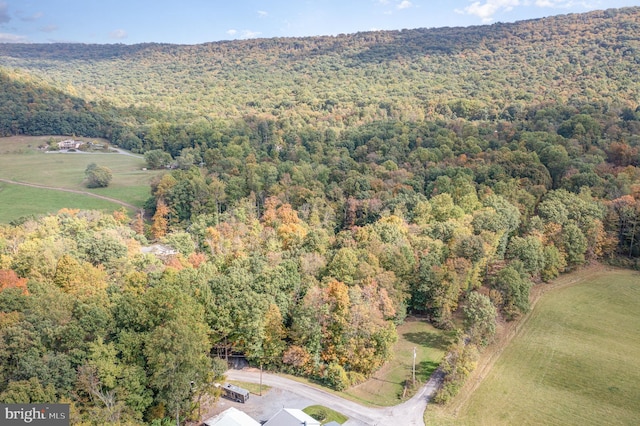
x=409, y=413
x=112, y=151
x=73, y=191
x=128, y=153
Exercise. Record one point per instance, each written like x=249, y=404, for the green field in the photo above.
x=17, y=201
x=254, y=388
x=386, y=386
x=575, y=362
x=325, y=414
x=21, y=161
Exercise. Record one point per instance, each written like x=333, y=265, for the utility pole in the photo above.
x=260, y=378
x=414, y=366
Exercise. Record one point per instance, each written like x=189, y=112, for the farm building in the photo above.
x=231, y=417
x=291, y=417
x=70, y=144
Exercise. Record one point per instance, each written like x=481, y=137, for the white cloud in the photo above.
x=560, y=4
x=244, y=34
x=250, y=34
x=486, y=9
x=118, y=34
x=263, y=14
x=390, y=7
x=4, y=13
x=12, y=38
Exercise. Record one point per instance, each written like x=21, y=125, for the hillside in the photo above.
x=483, y=72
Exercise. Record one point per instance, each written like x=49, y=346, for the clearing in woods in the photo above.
x=21, y=161
x=385, y=387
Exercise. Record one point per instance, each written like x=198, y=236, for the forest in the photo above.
x=318, y=190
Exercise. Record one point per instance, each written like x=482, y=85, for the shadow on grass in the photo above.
x=426, y=368
x=426, y=338
x=377, y=379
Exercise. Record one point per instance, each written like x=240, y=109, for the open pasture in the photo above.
x=574, y=362
x=21, y=161
x=18, y=201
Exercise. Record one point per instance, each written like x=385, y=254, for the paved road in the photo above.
x=409, y=413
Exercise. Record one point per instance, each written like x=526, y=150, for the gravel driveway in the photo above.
x=286, y=393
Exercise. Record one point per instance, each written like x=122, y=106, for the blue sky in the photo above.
x=200, y=21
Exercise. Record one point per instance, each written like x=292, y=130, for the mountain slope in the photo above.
x=483, y=72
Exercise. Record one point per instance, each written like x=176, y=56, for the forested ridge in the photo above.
x=485, y=72
x=321, y=189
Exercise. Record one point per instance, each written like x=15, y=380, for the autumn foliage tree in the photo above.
x=160, y=222
x=9, y=279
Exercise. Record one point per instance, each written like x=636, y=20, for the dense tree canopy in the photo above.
x=317, y=191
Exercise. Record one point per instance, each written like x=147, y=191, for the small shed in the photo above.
x=235, y=393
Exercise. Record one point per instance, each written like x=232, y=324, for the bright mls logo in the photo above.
x=34, y=414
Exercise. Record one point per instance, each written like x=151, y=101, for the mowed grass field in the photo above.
x=19, y=201
x=21, y=161
x=386, y=386
x=576, y=361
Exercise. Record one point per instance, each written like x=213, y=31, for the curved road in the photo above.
x=409, y=413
